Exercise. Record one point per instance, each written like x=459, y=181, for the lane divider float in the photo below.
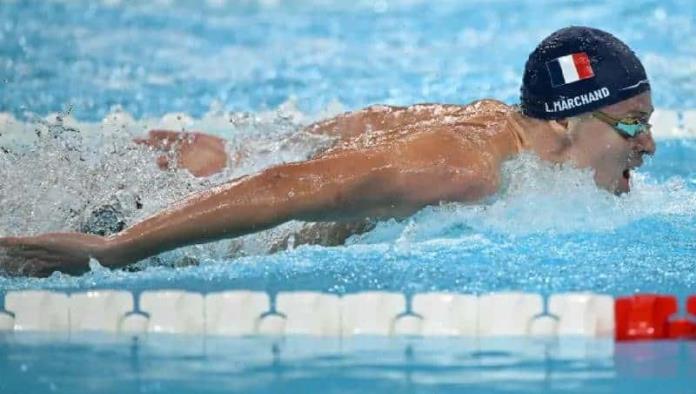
x=248, y=313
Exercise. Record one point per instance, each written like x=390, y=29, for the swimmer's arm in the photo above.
x=347, y=187
x=328, y=189
x=351, y=185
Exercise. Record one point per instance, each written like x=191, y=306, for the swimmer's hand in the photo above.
x=201, y=154
x=42, y=255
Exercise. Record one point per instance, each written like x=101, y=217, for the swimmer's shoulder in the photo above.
x=439, y=109
x=488, y=120
x=480, y=108
x=499, y=118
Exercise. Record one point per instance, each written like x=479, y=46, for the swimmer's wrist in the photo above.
x=112, y=254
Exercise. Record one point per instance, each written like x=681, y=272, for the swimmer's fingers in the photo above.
x=7, y=242
x=25, y=267
x=40, y=264
x=49, y=247
x=65, y=252
x=42, y=268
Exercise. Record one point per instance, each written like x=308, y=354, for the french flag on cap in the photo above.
x=569, y=68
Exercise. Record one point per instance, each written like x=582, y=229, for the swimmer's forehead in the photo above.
x=639, y=106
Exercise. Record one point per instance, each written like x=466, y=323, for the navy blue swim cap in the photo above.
x=577, y=70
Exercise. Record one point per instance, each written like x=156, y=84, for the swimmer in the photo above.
x=585, y=100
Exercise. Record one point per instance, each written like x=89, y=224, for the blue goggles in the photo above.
x=628, y=127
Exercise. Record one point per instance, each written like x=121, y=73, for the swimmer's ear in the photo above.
x=563, y=122
x=560, y=125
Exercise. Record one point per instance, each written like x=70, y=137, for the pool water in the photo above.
x=185, y=364
x=254, y=72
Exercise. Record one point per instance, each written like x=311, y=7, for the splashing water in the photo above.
x=72, y=176
x=549, y=229
x=541, y=198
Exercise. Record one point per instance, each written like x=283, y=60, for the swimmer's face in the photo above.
x=610, y=154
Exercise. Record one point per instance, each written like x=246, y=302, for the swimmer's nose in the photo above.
x=644, y=144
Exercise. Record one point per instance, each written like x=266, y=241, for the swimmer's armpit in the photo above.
x=199, y=153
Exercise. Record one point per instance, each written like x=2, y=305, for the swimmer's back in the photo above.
x=484, y=125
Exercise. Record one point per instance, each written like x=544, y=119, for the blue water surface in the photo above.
x=163, y=56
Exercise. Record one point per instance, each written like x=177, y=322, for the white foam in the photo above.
x=570, y=199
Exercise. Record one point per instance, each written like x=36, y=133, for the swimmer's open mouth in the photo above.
x=632, y=165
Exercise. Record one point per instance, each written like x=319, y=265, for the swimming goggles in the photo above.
x=628, y=127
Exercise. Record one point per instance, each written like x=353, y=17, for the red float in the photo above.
x=682, y=329
x=645, y=317
x=691, y=305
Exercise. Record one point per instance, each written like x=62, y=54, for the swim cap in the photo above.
x=577, y=70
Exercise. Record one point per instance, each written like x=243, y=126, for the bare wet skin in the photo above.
x=383, y=126
x=388, y=162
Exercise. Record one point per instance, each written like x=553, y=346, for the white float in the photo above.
x=99, y=310
x=310, y=313
x=174, y=311
x=447, y=313
x=371, y=313
x=38, y=310
x=507, y=313
x=235, y=312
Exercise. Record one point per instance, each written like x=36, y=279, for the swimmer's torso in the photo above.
x=435, y=135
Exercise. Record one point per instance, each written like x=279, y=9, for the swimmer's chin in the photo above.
x=621, y=187
x=620, y=192
x=617, y=189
